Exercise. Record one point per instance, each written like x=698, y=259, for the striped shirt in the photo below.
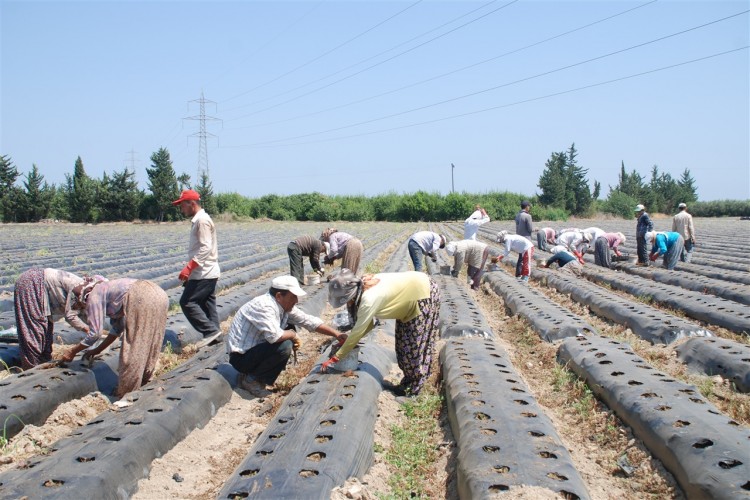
x=264, y=320
x=106, y=300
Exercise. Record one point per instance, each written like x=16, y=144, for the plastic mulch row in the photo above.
x=552, y=321
x=504, y=438
x=715, y=356
x=708, y=453
x=321, y=436
x=730, y=291
x=651, y=324
x=697, y=305
x=112, y=452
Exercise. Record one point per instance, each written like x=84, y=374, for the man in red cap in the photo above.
x=202, y=271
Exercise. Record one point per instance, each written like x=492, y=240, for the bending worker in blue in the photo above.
x=669, y=244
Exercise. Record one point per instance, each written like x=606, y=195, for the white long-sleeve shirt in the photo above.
x=203, y=247
x=471, y=224
x=428, y=241
x=515, y=243
x=573, y=240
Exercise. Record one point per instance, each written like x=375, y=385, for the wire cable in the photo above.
x=521, y=80
x=415, y=84
x=325, y=53
x=493, y=108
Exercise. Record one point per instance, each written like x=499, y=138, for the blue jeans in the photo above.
x=417, y=255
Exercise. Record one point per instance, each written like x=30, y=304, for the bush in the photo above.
x=620, y=204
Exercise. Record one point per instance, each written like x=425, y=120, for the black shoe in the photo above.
x=397, y=390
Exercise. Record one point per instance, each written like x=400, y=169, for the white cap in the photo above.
x=288, y=283
x=681, y=205
x=639, y=208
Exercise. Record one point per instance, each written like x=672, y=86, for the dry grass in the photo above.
x=664, y=358
x=593, y=432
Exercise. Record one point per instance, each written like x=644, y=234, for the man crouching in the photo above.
x=260, y=339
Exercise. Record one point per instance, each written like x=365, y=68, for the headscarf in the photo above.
x=587, y=236
x=82, y=291
x=501, y=236
x=343, y=287
x=327, y=233
x=450, y=248
x=622, y=237
x=650, y=236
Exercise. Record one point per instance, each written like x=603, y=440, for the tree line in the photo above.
x=564, y=191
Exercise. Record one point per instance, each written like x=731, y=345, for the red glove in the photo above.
x=653, y=256
x=326, y=364
x=185, y=273
x=579, y=256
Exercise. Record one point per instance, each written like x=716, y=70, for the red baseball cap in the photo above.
x=187, y=195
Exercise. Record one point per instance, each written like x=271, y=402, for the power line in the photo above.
x=515, y=51
x=496, y=87
x=516, y=103
x=325, y=53
x=380, y=54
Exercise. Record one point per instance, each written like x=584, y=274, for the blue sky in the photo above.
x=365, y=97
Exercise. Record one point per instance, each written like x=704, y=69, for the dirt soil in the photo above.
x=35, y=440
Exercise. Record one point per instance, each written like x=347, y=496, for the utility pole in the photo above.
x=453, y=167
x=202, y=135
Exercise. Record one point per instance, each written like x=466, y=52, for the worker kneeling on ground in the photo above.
x=260, y=339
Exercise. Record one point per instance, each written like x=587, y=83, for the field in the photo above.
x=623, y=383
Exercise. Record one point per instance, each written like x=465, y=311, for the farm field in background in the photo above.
x=626, y=383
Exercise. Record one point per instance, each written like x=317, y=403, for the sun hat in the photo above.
x=288, y=283
x=187, y=195
x=443, y=241
x=501, y=236
x=342, y=287
x=639, y=208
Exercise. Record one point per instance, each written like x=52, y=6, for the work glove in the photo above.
x=653, y=257
x=326, y=364
x=320, y=272
x=327, y=260
x=185, y=273
x=454, y=273
x=434, y=259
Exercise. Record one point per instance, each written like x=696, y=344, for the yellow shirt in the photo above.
x=394, y=297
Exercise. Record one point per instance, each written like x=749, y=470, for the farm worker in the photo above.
x=565, y=260
x=424, y=243
x=524, y=225
x=472, y=223
x=137, y=312
x=683, y=223
x=262, y=334
x=595, y=232
x=545, y=238
x=669, y=244
x=521, y=245
x=474, y=253
x=342, y=246
x=602, y=246
x=304, y=246
x=411, y=298
x=198, y=301
x=576, y=241
x=41, y=297
x=642, y=226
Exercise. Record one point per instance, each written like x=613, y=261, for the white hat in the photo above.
x=501, y=236
x=681, y=205
x=288, y=283
x=450, y=248
x=639, y=208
